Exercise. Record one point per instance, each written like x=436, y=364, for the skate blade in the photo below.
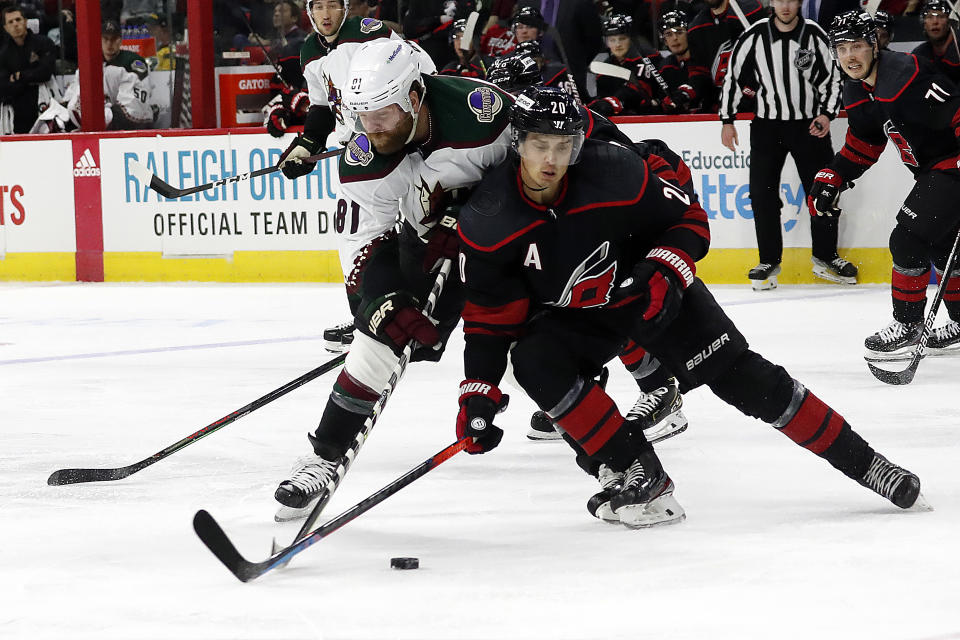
x=764, y=285
x=543, y=436
x=290, y=514
x=952, y=350
x=675, y=424
x=901, y=355
x=335, y=347
x=921, y=504
x=663, y=510
x=833, y=277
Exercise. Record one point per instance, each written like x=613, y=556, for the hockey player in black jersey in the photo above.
x=900, y=97
x=638, y=95
x=659, y=406
x=572, y=260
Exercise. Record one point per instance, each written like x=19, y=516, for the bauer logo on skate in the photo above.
x=709, y=351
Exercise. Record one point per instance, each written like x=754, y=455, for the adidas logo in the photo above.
x=86, y=166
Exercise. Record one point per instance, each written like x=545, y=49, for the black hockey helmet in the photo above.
x=939, y=6
x=514, y=73
x=531, y=17
x=530, y=48
x=550, y=111
x=672, y=20
x=458, y=27
x=884, y=20
x=617, y=24
x=852, y=26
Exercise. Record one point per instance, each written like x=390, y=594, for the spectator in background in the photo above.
x=941, y=45
x=27, y=63
x=616, y=96
x=884, y=22
x=136, y=11
x=160, y=32
x=552, y=72
x=824, y=11
x=428, y=23
x=900, y=7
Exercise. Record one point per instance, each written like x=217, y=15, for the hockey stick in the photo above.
x=276, y=67
x=552, y=30
x=616, y=71
x=146, y=176
x=906, y=376
x=347, y=461
x=217, y=541
x=74, y=476
x=737, y=10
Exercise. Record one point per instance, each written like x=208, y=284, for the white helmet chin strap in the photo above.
x=416, y=116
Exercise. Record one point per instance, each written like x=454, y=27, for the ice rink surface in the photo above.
x=776, y=543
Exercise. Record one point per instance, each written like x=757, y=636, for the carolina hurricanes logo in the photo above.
x=591, y=282
x=906, y=151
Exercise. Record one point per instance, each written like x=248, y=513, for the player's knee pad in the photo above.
x=370, y=362
x=755, y=386
x=909, y=251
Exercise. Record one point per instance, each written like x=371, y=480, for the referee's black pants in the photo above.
x=770, y=142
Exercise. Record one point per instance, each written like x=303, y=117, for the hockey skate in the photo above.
x=338, y=339
x=945, y=340
x=646, y=497
x=897, y=341
x=599, y=504
x=894, y=483
x=307, y=484
x=764, y=276
x=659, y=414
x=836, y=270
x=542, y=428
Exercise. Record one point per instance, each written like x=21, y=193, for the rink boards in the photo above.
x=72, y=209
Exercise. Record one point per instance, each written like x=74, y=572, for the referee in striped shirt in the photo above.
x=788, y=60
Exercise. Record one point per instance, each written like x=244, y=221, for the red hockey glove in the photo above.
x=395, y=319
x=657, y=284
x=680, y=100
x=442, y=241
x=479, y=403
x=823, y=196
x=277, y=119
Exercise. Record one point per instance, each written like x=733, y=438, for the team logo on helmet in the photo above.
x=369, y=25
x=359, y=153
x=804, y=59
x=485, y=103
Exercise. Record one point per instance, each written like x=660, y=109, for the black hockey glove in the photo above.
x=679, y=101
x=606, y=107
x=291, y=161
x=657, y=285
x=395, y=319
x=277, y=119
x=479, y=403
x=442, y=241
x=822, y=200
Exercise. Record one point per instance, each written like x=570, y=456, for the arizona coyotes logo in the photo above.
x=333, y=99
x=591, y=282
x=906, y=151
x=432, y=199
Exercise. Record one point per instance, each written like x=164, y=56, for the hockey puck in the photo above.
x=404, y=563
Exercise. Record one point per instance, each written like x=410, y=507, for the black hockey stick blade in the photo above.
x=145, y=176
x=896, y=377
x=213, y=536
x=76, y=476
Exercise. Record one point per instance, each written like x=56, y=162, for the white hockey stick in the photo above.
x=469, y=32
x=607, y=69
x=737, y=10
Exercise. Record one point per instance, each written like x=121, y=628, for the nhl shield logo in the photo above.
x=359, y=153
x=485, y=103
x=804, y=59
x=369, y=25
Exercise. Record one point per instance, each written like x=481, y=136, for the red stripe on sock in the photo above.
x=909, y=288
x=593, y=420
x=632, y=354
x=815, y=425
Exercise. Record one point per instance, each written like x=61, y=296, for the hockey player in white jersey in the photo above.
x=324, y=58
x=422, y=141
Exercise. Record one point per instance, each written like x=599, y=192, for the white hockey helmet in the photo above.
x=316, y=27
x=382, y=73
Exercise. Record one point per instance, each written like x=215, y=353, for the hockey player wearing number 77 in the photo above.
x=572, y=247
x=897, y=96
